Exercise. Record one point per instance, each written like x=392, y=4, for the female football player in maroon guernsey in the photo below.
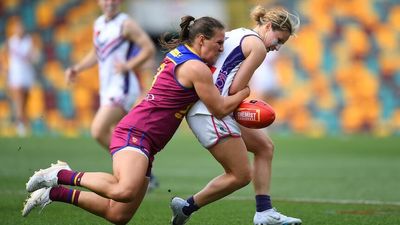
x=182, y=79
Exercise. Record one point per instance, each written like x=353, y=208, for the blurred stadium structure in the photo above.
x=341, y=74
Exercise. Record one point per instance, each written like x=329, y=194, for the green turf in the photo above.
x=334, y=181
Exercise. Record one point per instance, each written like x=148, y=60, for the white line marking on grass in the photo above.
x=317, y=200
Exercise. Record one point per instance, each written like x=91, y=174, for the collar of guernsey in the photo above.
x=183, y=53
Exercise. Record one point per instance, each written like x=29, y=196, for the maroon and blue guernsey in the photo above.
x=152, y=123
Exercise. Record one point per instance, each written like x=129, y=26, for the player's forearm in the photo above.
x=87, y=62
x=239, y=83
x=230, y=103
x=141, y=58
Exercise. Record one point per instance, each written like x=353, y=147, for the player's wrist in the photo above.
x=127, y=67
x=74, y=69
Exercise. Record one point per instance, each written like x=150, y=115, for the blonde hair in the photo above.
x=279, y=17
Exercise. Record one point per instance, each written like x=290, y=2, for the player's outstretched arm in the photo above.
x=88, y=61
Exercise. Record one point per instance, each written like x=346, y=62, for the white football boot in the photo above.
x=39, y=197
x=46, y=177
x=273, y=217
x=178, y=217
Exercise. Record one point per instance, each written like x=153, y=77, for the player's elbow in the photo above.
x=219, y=113
x=152, y=50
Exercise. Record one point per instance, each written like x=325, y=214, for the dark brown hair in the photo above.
x=190, y=28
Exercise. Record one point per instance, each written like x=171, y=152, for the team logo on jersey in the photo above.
x=149, y=97
x=134, y=140
x=176, y=53
x=221, y=79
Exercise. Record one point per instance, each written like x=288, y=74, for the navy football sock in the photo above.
x=263, y=202
x=192, y=207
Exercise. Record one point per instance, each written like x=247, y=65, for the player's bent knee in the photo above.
x=239, y=183
x=246, y=179
x=242, y=179
x=270, y=147
x=119, y=218
x=265, y=149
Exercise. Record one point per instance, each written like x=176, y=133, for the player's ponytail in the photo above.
x=185, y=25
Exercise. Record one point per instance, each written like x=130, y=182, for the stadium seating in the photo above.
x=340, y=74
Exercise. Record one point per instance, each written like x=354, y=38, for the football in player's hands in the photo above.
x=254, y=114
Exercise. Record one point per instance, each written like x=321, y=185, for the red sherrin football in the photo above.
x=254, y=114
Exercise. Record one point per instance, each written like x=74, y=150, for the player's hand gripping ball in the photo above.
x=254, y=114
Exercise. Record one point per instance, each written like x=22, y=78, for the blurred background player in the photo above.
x=116, y=36
x=182, y=79
x=21, y=72
x=121, y=49
x=244, y=51
x=264, y=83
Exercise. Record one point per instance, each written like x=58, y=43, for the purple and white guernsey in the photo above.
x=152, y=123
x=111, y=48
x=227, y=65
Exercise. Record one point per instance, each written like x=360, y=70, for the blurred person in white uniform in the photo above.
x=121, y=48
x=21, y=72
x=117, y=38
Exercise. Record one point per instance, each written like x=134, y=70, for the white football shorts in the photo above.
x=210, y=130
x=115, y=95
x=125, y=101
x=21, y=78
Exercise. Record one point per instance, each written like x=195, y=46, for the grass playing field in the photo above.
x=333, y=181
